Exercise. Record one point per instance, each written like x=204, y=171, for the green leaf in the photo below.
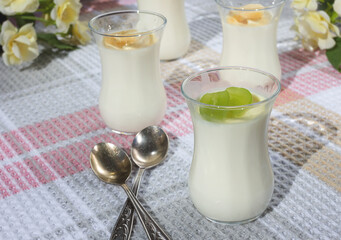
x=21, y=19
x=323, y=5
x=333, y=17
x=52, y=40
x=46, y=6
x=334, y=54
x=34, y=18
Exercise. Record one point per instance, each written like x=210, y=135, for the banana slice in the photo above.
x=128, y=40
x=249, y=17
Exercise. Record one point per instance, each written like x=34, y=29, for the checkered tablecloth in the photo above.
x=49, y=121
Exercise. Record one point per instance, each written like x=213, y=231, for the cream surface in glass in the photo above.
x=231, y=178
x=250, y=34
x=132, y=94
x=177, y=36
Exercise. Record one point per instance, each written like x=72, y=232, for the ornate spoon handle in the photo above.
x=153, y=230
x=125, y=221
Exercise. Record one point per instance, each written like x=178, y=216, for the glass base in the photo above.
x=171, y=59
x=234, y=222
x=123, y=133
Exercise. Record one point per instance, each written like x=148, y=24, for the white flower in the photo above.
x=18, y=45
x=65, y=13
x=80, y=33
x=300, y=5
x=337, y=7
x=12, y=7
x=315, y=30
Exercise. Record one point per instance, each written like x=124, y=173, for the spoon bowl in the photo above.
x=149, y=147
x=110, y=163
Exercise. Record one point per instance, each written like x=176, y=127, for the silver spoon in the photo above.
x=112, y=165
x=149, y=148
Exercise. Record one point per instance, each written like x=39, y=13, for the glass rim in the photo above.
x=138, y=34
x=216, y=69
x=224, y=4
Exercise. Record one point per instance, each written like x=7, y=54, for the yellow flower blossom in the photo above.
x=300, y=5
x=337, y=7
x=80, y=33
x=12, y=7
x=65, y=13
x=315, y=30
x=18, y=45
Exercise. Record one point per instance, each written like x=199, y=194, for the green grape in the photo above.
x=221, y=98
x=238, y=97
x=232, y=96
x=218, y=99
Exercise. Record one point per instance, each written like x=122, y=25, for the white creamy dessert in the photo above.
x=132, y=95
x=231, y=178
x=176, y=36
x=250, y=40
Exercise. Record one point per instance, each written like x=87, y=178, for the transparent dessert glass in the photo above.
x=177, y=36
x=250, y=34
x=231, y=178
x=132, y=94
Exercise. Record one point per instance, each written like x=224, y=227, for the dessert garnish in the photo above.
x=128, y=39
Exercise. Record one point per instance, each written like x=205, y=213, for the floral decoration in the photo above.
x=317, y=27
x=53, y=23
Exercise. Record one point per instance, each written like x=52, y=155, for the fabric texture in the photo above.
x=49, y=121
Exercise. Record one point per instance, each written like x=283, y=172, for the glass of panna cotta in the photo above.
x=231, y=178
x=132, y=94
x=250, y=34
x=177, y=36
